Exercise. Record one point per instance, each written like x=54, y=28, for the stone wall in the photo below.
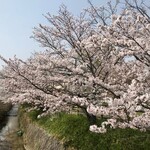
x=36, y=138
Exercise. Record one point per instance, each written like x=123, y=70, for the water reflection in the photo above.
x=10, y=127
x=12, y=123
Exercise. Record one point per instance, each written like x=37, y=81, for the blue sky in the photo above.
x=19, y=17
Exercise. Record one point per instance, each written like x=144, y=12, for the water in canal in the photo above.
x=10, y=128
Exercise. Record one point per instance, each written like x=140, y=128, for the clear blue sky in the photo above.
x=18, y=17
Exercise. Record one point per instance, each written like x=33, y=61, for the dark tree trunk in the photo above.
x=91, y=118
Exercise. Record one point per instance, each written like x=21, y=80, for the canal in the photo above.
x=9, y=139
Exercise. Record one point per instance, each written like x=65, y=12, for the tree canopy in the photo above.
x=86, y=64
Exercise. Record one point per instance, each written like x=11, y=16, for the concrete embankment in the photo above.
x=36, y=138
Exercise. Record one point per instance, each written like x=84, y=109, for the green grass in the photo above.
x=73, y=130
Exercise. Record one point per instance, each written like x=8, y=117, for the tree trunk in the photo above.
x=91, y=118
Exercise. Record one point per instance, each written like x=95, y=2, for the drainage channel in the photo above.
x=8, y=134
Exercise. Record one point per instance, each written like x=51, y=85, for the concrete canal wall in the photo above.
x=36, y=138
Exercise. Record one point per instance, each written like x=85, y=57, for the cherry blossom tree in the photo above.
x=86, y=65
x=129, y=34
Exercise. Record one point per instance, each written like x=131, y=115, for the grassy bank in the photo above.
x=73, y=130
